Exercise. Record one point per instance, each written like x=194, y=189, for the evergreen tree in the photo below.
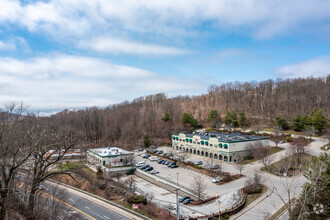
x=188, y=118
x=242, y=120
x=231, y=119
x=214, y=118
x=307, y=120
x=298, y=123
x=319, y=121
x=146, y=141
x=167, y=117
x=281, y=122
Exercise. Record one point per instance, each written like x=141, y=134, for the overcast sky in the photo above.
x=79, y=53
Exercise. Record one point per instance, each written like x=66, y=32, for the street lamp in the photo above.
x=177, y=198
x=219, y=209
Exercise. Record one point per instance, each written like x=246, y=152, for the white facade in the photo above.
x=222, y=146
x=109, y=157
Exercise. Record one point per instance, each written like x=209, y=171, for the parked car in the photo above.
x=149, y=169
x=159, y=161
x=164, y=162
x=217, y=180
x=154, y=158
x=187, y=201
x=184, y=198
x=198, y=162
x=214, y=167
x=145, y=166
x=146, y=156
x=141, y=149
x=160, y=152
x=281, y=142
x=164, y=154
x=154, y=172
x=139, y=164
x=174, y=166
x=155, y=151
x=168, y=162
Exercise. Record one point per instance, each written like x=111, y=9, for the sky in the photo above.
x=72, y=54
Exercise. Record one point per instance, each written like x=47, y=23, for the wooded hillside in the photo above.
x=130, y=124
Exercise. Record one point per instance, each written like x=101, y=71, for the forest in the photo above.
x=154, y=118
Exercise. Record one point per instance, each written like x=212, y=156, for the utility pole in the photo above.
x=219, y=209
x=177, y=198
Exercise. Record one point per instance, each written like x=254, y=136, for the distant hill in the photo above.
x=129, y=124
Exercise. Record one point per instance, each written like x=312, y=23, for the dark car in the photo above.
x=160, y=161
x=184, y=198
x=140, y=149
x=164, y=162
x=214, y=167
x=149, y=169
x=164, y=154
x=160, y=152
x=187, y=201
x=145, y=166
x=155, y=151
x=167, y=163
x=146, y=156
x=174, y=166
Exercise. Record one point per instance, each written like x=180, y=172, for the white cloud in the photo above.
x=116, y=46
x=62, y=81
x=316, y=67
x=258, y=18
x=7, y=45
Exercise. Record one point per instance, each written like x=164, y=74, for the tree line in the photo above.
x=156, y=116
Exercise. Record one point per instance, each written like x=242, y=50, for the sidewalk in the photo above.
x=253, y=204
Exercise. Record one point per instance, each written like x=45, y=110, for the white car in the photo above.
x=217, y=180
x=139, y=164
x=153, y=158
x=154, y=172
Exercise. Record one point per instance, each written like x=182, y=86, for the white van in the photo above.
x=140, y=163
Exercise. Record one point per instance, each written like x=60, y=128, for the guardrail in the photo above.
x=102, y=199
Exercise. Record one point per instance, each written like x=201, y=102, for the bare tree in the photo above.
x=240, y=167
x=53, y=147
x=277, y=136
x=309, y=131
x=261, y=152
x=254, y=183
x=131, y=182
x=182, y=157
x=298, y=147
x=18, y=141
x=257, y=129
x=199, y=187
x=128, y=160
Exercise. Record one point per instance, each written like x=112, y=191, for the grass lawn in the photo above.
x=327, y=145
x=288, y=165
x=272, y=150
x=253, y=197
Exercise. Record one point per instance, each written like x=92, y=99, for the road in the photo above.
x=77, y=205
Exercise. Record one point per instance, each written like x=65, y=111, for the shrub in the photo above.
x=289, y=139
x=226, y=216
x=137, y=200
x=249, y=157
x=251, y=132
x=265, y=134
x=197, y=167
x=227, y=178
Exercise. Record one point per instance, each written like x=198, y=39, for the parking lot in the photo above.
x=185, y=177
